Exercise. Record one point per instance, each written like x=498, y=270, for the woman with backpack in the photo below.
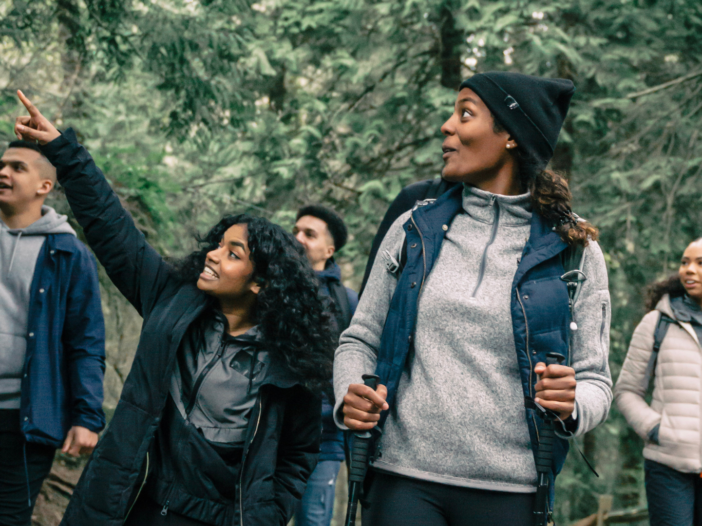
x=465, y=306
x=666, y=346
x=220, y=417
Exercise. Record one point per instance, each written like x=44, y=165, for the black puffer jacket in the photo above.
x=284, y=433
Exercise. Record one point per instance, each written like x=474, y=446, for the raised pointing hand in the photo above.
x=36, y=126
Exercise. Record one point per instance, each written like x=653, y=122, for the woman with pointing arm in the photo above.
x=219, y=420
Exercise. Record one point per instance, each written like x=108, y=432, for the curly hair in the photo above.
x=551, y=197
x=295, y=320
x=656, y=290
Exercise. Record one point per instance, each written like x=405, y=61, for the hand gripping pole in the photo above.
x=359, y=461
x=544, y=457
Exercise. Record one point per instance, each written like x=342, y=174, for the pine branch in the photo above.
x=665, y=85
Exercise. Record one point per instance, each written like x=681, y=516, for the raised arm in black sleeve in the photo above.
x=138, y=271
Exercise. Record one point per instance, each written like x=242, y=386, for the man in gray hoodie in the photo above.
x=51, y=334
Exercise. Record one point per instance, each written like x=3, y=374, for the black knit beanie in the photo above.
x=531, y=109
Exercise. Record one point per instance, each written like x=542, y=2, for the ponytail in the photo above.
x=551, y=197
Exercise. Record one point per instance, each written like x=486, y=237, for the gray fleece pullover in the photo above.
x=19, y=249
x=459, y=414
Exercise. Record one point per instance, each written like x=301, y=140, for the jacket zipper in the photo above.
x=424, y=255
x=243, y=461
x=203, y=374
x=493, y=235
x=531, y=365
x=602, y=326
x=164, y=511
x=143, y=483
x=686, y=327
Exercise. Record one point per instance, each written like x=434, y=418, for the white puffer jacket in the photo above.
x=677, y=393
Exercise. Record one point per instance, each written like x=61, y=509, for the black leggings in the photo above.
x=399, y=501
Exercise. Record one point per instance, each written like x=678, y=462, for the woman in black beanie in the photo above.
x=466, y=317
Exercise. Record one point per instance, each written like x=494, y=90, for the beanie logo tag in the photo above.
x=511, y=103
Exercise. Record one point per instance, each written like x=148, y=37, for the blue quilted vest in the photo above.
x=539, y=303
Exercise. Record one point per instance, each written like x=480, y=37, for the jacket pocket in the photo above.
x=666, y=430
x=124, y=435
x=604, y=335
x=266, y=513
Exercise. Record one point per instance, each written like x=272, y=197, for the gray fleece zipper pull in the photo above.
x=14, y=252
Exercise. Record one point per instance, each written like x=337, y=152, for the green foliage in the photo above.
x=200, y=108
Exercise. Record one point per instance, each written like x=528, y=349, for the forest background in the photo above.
x=198, y=108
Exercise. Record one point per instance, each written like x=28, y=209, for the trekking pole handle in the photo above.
x=359, y=458
x=371, y=380
x=551, y=359
x=554, y=358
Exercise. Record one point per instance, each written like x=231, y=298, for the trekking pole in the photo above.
x=544, y=457
x=359, y=461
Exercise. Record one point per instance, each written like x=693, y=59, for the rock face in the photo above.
x=55, y=493
x=122, y=329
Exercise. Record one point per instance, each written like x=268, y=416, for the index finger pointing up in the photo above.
x=33, y=111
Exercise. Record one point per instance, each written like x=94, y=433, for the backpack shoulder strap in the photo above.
x=661, y=330
x=573, y=259
x=338, y=293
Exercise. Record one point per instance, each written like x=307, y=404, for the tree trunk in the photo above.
x=451, y=42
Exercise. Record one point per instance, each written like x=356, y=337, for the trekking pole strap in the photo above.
x=547, y=443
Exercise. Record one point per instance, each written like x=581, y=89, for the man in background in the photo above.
x=323, y=233
x=52, y=335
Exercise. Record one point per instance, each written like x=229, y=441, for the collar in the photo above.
x=515, y=210
x=332, y=271
x=686, y=310
x=432, y=216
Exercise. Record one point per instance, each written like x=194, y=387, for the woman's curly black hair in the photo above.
x=294, y=319
x=655, y=291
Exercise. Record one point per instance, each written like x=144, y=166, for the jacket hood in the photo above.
x=664, y=307
x=332, y=272
x=50, y=223
x=682, y=308
x=677, y=308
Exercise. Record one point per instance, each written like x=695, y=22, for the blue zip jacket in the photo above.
x=539, y=303
x=65, y=360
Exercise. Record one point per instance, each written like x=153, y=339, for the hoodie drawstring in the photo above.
x=14, y=252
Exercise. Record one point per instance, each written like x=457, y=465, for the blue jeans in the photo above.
x=674, y=498
x=317, y=505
